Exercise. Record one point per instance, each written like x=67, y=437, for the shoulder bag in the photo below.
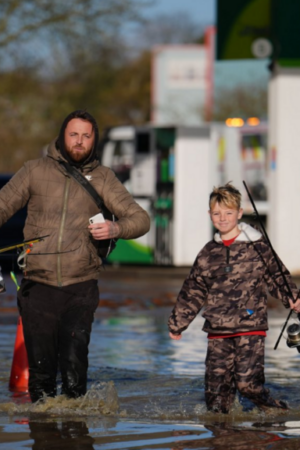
x=105, y=246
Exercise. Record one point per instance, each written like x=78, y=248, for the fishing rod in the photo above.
x=21, y=244
x=277, y=261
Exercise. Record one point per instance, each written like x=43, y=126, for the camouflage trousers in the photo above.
x=236, y=364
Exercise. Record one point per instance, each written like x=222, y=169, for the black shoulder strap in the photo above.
x=84, y=183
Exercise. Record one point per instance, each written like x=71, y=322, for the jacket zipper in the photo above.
x=61, y=230
x=228, y=267
x=227, y=255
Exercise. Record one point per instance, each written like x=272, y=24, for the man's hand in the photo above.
x=105, y=230
x=176, y=337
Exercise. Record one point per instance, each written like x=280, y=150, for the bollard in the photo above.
x=19, y=370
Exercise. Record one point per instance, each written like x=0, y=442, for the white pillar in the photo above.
x=284, y=166
x=193, y=165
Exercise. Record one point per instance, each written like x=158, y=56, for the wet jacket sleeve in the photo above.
x=133, y=220
x=189, y=302
x=14, y=195
x=275, y=282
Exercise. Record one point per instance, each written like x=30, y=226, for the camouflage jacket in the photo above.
x=231, y=284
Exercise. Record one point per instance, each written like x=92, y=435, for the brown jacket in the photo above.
x=231, y=284
x=59, y=207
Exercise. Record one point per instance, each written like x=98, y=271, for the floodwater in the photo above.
x=146, y=391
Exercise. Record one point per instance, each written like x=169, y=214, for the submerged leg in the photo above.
x=74, y=338
x=250, y=376
x=40, y=336
x=220, y=386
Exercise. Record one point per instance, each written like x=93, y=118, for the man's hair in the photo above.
x=84, y=115
x=227, y=195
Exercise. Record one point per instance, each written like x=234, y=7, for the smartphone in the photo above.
x=98, y=218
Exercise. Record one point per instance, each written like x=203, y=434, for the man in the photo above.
x=59, y=293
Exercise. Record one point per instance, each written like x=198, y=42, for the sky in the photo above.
x=202, y=11
x=227, y=73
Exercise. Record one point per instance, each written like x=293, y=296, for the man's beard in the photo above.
x=78, y=156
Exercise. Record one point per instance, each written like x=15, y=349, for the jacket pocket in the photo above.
x=227, y=314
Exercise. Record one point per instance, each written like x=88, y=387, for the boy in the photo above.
x=229, y=276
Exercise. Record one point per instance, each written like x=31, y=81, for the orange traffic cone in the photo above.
x=19, y=370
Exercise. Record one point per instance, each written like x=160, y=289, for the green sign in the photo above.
x=241, y=24
x=286, y=32
x=256, y=29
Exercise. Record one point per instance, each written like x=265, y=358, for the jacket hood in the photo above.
x=60, y=142
x=247, y=234
x=53, y=151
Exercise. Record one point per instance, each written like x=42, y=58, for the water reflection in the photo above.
x=223, y=436
x=67, y=434
x=140, y=340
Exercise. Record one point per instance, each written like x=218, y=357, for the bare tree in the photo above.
x=30, y=28
x=61, y=55
x=173, y=28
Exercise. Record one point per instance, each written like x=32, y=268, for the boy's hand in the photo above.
x=295, y=306
x=175, y=336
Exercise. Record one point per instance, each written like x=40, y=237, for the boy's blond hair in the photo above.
x=227, y=195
